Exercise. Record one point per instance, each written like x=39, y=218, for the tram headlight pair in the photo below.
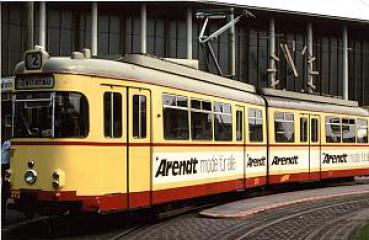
x=7, y=175
x=58, y=179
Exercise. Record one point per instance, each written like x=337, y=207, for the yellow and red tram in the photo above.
x=104, y=135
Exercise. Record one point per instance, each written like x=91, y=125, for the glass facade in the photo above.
x=69, y=29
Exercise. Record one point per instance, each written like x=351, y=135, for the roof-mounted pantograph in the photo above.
x=205, y=41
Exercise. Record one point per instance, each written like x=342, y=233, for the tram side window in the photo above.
x=201, y=120
x=112, y=114
x=139, y=116
x=71, y=115
x=222, y=122
x=362, y=131
x=175, y=111
x=255, y=125
x=333, y=130
x=303, y=129
x=314, y=130
x=239, y=121
x=348, y=130
x=284, y=127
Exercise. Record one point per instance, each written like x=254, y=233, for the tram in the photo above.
x=137, y=131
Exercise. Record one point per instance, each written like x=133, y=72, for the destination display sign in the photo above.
x=34, y=82
x=7, y=84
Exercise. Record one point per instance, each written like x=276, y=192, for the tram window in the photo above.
x=112, y=114
x=255, y=125
x=222, y=122
x=284, y=127
x=333, y=130
x=51, y=114
x=139, y=116
x=303, y=129
x=239, y=120
x=314, y=130
x=348, y=130
x=71, y=115
x=362, y=131
x=201, y=121
x=175, y=111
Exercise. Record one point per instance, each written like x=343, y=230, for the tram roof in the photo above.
x=308, y=97
x=151, y=70
x=308, y=102
x=163, y=65
x=156, y=71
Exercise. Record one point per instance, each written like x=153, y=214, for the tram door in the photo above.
x=241, y=139
x=304, y=149
x=139, y=147
x=315, y=147
x=310, y=141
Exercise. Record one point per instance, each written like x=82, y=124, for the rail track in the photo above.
x=337, y=219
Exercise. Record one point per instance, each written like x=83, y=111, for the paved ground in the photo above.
x=338, y=218
x=335, y=219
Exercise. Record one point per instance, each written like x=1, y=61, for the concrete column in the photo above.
x=310, y=39
x=345, y=62
x=143, y=28
x=189, y=33
x=232, y=47
x=310, y=83
x=42, y=24
x=30, y=24
x=271, y=43
x=94, y=17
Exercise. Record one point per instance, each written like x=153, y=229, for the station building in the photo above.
x=289, y=47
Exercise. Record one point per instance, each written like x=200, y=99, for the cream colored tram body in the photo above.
x=107, y=135
x=313, y=138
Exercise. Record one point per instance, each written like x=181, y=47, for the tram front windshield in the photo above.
x=50, y=114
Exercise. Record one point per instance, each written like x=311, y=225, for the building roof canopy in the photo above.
x=354, y=10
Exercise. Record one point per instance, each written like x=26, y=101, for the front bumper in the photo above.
x=48, y=201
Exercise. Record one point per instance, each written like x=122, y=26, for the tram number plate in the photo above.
x=15, y=194
x=33, y=60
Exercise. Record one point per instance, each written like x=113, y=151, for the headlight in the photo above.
x=30, y=177
x=56, y=182
x=58, y=179
x=7, y=175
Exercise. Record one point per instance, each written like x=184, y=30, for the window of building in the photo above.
x=239, y=128
x=139, y=116
x=201, y=120
x=255, y=125
x=362, y=131
x=314, y=130
x=333, y=130
x=222, y=122
x=284, y=127
x=303, y=129
x=112, y=114
x=175, y=111
x=348, y=130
